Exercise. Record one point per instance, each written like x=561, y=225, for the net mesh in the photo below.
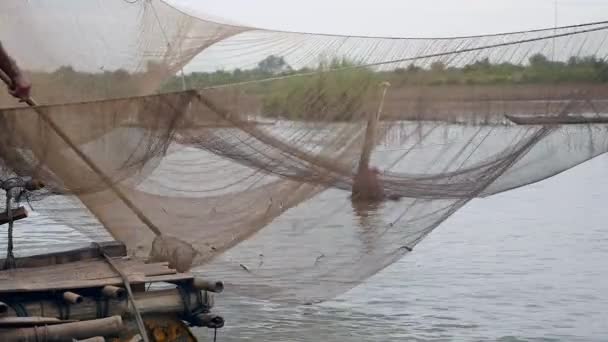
x=292, y=166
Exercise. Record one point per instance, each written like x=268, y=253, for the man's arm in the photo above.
x=21, y=85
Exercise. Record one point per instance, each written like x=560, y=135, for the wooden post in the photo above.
x=67, y=332
x=366, y=187
x=370, y=131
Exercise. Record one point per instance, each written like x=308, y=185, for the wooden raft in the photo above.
x=85, y=274
x=77, y=294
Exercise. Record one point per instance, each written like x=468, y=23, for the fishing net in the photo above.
x=292, y=166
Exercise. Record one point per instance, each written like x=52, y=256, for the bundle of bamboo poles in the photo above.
x=88, y=331
x=71, y=316
x=169, y=301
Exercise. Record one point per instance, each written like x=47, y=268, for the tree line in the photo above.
x=296, y=95
x=539, y=69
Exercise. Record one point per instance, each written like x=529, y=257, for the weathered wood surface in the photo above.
x=85, y=274
x=113, y=249
x=158, y=302
x=556, y=120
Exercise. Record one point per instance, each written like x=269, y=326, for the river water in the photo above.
x=525, y=265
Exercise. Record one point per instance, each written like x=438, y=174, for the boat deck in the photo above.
x=83, y=268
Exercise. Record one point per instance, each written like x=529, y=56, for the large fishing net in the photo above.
x=292, y=166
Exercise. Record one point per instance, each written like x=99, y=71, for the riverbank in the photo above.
x=444, y=102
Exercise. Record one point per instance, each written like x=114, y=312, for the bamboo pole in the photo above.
x=93, y=339
x=365, y=185
x=67, y=332
x=91, y=164
x=114, y=292
x=30, y=102
x=30, y=321
x=72, y=298
x=371, y=130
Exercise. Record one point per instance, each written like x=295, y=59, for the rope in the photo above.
x=10, y=258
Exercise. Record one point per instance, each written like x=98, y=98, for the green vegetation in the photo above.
x=538, y=70
x=320, y=93
x=317, y=96
x=342, y=92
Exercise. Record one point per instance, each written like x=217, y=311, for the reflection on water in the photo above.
x=526, y=265
x=368, y=214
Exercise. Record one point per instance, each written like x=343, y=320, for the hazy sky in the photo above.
x=404, y=18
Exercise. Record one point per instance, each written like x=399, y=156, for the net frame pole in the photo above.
x=90, y=163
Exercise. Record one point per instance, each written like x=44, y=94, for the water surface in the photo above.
x=525, y=265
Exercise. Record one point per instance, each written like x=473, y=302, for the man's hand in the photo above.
x=21, y=87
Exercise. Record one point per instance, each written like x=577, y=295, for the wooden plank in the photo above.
x=211, y=124
x=17, y=214
x=112, y=248
x=179, y=277
x=93, y=269
x=89, y=283
x=556, y=120
x=85, y=274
